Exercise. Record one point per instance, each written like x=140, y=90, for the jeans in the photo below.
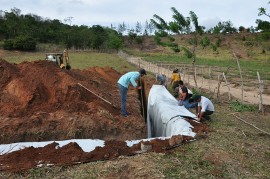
x=175, y=88
x=187, y=104
x=123, y=94
x=207, y=114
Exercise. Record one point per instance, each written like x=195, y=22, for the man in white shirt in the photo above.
x=205, y=107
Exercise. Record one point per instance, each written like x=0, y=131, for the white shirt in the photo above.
x=206, y=104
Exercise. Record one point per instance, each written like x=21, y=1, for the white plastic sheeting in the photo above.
x=87, y=145
x=165, y=117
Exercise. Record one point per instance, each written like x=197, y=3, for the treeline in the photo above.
x=22, y=32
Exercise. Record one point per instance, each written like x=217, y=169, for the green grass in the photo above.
x=253, y=65
x=240, y=107
x=78, y=60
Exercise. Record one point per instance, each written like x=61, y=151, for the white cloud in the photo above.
x=105, y=12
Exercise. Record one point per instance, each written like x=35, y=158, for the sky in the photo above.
x=115, y=12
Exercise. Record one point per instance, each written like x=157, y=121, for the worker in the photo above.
x=184, y=96
x=61, y=62
x=161, y=80
x=66, y=59
x=175, y=82
x=123, y=84
x=205, y=107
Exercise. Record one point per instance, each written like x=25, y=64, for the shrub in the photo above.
x=8, y=44
x=218, y=42
x=214, y=47
x=205, y=41
x=20, y=43
x=187, y=53
x=249, y=44
x=241, y=107
x=265, y=36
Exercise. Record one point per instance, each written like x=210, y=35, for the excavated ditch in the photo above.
x=41, y=102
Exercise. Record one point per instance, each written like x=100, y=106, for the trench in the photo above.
x=143, y=100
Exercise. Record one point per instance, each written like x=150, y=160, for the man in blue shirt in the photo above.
x=123, y=84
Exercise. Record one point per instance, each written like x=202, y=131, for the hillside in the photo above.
x=247, y=46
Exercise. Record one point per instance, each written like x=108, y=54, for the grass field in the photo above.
x=232, y=148
x=80, y=60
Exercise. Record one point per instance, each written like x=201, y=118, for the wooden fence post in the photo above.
x=229, y=89
x=260, y=93
x=242, y=97
x=209, y=79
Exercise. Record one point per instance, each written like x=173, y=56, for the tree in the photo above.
x=138, y=28
x=224, y=27
x=122, y=28
x=15, y=27
x=262, y=11
x=263, y=25
x=179, y=25
x=242, y=29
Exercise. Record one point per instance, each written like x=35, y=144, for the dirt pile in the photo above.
x=39, y=102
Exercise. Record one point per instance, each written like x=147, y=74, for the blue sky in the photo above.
x=106, y=12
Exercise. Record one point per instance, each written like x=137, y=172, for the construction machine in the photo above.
x=60, y=59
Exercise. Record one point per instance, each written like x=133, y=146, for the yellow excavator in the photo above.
x=60, y=59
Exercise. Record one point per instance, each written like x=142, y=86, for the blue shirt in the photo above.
x=128, y=78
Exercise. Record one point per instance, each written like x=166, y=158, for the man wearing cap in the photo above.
x=123, y=84
x=205, y=107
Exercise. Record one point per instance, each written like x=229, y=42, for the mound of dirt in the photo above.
x=39, y=102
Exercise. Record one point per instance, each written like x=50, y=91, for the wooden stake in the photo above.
x=260, y=93
x=142, y=99
x=229, y=89
x=209, y=79
x=242, y=86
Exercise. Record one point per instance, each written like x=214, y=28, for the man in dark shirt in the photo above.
x=184, y=96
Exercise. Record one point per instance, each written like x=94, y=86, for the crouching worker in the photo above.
x=123, y=84
x=184, y=97
x=205, y=107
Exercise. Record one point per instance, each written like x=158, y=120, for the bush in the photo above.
x=8, y=44
x=175, y=49
x=218, y=42
x=20, y=43
x=187, y=53
x=205, y=42
x=265, y=36
x=241, y=107
x=214, y=47
x=249, y=44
